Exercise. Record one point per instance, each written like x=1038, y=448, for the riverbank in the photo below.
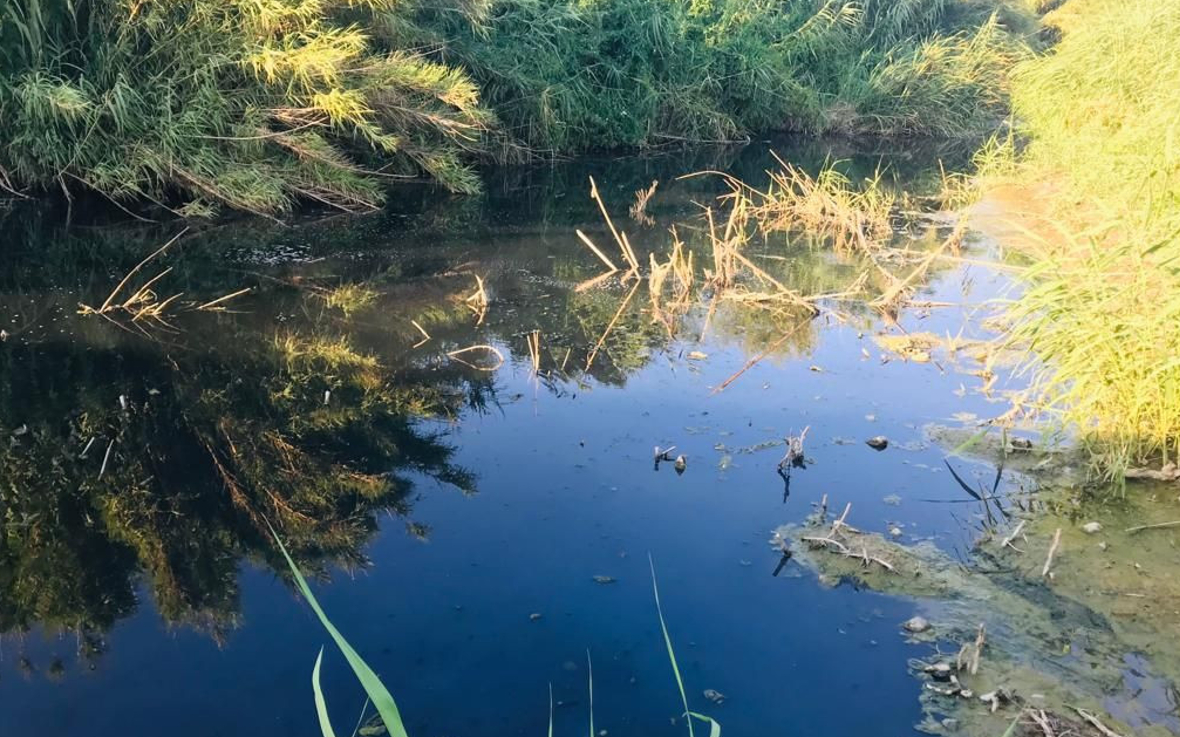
x=192, y=108
x=1095, y=170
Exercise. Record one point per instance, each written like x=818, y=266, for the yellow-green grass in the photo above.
x=1102, y=315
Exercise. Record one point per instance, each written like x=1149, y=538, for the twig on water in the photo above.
x=106, y=459
x=1007, y=541
x=1052, y=552
x=111, y=297
x=534, y=341
x=602, y=256
x=624, y=245
x=1097, y=724
x=750, y=364
x=214, y=303
x=481, y=347
x=425, y=335
x=1157, y=526
x=611, y=325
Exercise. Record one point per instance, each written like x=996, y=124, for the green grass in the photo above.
x=1102, y=316
x=237, y=103
x=378, y=695
x=197, y=105
x=387, y=708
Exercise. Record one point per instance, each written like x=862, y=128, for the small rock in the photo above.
x=604, y=579
x=916, y=624
x=940, y=671
x=967, y=693
x=534, y=616
x=1102, y=546
x=878, y=442
x=1091, y=528
x=715, y=696
x=1021, y=444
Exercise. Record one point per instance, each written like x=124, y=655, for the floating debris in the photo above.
x=1091, y=528
x=604, y=580
x=878, y=442
x=681, y=463
x=534, y=616
x=794, y=455
x=715, y=696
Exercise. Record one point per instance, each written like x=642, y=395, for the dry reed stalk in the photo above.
x=602, y=256
x=890, y=297
x=639, y=207
x=477, y=302
x=1007, y=541
x=750, y=363
x=534, y=343
x=480, y=347
x=111, y=297
x=1096, y=723
x=221, y=300
x=106, y=458
x=1157, y=526
x=425, y=335
x=1052, y=552
x=593, y=282
x=621, y=240
x=611, y=325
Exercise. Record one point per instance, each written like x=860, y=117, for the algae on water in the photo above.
x=1051, y=644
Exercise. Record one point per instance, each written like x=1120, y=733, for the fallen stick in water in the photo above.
x=1052, y=552
x=759, y=357
x=1007, y=542
x=1158, y=526
x=1097, y=724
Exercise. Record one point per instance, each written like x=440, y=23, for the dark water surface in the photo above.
x=148, y=600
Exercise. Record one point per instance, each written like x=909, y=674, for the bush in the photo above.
x=249, y=103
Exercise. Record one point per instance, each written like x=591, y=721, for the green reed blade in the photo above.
x=321, y=705
x=689, y=714
x=550, y=710
x=590, y=670
x=714, y=725
x=378, y=694
x=1011, y=730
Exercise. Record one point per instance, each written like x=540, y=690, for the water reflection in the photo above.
x=159, y=457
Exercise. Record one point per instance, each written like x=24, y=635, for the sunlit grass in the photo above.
x=349, y=298
x=1102, y=315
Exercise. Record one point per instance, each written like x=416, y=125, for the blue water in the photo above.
x=565, y=491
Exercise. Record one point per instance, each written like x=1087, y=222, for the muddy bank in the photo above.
x=1013, y=633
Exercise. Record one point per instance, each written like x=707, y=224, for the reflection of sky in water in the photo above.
x=566, y=492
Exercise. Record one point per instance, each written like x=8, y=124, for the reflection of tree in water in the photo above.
x=301, y=432
x=217, y=438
